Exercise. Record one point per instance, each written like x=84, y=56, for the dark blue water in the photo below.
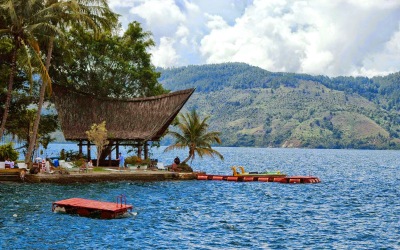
x=356, y=206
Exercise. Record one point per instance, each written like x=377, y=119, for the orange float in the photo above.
x=202, y=177
x=217, y=178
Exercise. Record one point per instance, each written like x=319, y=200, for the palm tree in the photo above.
x=20, y=24
x=193, y=135
x=92, y=13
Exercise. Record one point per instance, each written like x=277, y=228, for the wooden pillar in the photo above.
x=109, y=158
x=88, y=151
x=80, y=147
x=116, y=149
x=146, y=150
x=139, y=151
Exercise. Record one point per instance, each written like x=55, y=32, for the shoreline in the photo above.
x=95, y=177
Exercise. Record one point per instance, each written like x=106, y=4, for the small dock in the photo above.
x=288, y=179
x=93, y=208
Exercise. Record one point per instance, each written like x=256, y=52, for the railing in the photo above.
x=121, y=199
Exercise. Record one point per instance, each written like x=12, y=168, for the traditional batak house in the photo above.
x=129, y=122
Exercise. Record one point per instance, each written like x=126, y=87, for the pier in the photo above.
x=288, y=179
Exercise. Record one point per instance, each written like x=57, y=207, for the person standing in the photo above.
x=121, y=160
x=43, y=166
x=47, y=165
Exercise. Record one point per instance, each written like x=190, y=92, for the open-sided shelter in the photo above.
x=138, y=120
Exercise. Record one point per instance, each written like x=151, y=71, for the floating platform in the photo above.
x=288, y=179
x=93, y=208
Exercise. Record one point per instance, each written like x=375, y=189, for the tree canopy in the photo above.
x=75, y=43
x=111, y=66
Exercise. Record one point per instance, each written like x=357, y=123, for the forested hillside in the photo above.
x=255, y=107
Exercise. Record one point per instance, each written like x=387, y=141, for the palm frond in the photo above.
x=193, y=134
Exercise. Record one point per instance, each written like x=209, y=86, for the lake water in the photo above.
x=356, y=206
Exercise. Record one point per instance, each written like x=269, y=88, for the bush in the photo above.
x=8, y=151
x=135, y=160
x=79, y=163
x=185, y=167
x=72, y=155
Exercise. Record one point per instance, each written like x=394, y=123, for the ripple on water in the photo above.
x=356, y=206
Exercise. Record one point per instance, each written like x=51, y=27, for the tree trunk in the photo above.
x=191, y=153
x=188, y=158
x=106, y=151
x=9, y=90
x=98, y=157
x=40, y=104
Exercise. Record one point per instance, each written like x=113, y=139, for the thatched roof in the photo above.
x=139, y=119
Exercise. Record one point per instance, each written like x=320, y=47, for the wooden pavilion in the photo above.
x=129, y=122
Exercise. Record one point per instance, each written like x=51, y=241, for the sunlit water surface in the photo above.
x=356, y=206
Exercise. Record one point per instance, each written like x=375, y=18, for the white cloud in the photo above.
x=165, y=55
x=162, y=15
x=344, y=37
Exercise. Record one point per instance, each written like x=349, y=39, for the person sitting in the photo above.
x=7, y=163
x=83, y=168
x=90, y=166
x=175, y=166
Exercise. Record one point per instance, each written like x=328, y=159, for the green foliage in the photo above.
x=193, y=134
x=135, y=160
x=63, y=155
x=8, y=151
x=20, y=124
x=79, y=162
x=24, y=22
x=184, y=167
x=72, y=155
x=254, y=107
x=110, y=66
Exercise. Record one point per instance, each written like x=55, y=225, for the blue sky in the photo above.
x=327, y=37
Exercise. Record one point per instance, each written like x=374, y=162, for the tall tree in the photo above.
x=94, y=14
x=20, y=22
x=193, y=134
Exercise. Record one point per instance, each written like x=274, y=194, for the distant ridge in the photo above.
x=253, y=107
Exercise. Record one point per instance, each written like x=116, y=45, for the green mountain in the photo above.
x=257, y=108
